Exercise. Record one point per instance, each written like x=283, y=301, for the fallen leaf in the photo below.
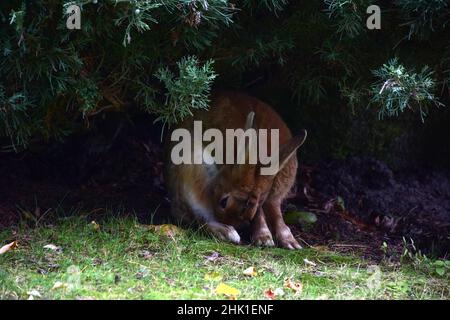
x=250, y=271
x=309, y=262
x=213, y=276
x=226, y=290
x=52, y=247
x=296, y=286
x=167, y=230
x=59, y=285
x=8, y=247
x=273, y=294
x=33, y=293
x=269, y=294
x=279, y=292
x=213, y=256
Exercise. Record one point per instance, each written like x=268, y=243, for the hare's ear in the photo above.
x=243, y=152
x=249, y=123
x=253, y=140
x=289, y=149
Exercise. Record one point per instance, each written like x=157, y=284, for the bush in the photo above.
x=314, y=60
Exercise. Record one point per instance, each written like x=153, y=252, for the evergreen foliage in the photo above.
x=158, y=56
x=399, y=89
x=179, y=101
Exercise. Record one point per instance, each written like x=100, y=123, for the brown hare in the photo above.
x=221, y=197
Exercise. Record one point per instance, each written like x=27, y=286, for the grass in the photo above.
x=122, y=259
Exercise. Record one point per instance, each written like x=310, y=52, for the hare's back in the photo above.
x=229, y=110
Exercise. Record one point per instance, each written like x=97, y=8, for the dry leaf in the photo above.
x=167, y=230
x=269, y=294
x=273, y=294
x=309, y=262
x=52, y=247
x=250, y=271
x=8, y=247
x=213, y=276
x=279, y=292
x=33, y=293
x=226, y=290
x=59, y=285
x=213, y=256
x=296, y=286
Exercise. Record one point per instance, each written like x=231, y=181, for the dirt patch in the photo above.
x=362, y=199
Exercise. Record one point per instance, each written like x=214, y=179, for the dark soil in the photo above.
x=116, y=166
x=360, y=203
x=362, y=199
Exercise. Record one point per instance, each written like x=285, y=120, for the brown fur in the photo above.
x=196, y=192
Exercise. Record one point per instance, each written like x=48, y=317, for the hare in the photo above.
x=221, y=197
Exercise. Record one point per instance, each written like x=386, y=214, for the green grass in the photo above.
x=125, y=260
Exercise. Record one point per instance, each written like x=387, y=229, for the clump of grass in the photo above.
x=122, y=259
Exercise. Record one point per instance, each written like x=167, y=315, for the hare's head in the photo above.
x=239, y=190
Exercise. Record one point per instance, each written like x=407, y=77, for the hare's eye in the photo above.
x=223, y=202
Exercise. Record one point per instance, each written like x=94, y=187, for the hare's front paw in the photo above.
x=286, y=240
x=263, y=238
x=224, y=232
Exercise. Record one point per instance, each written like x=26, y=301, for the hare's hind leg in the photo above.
x=283, y=234
x=260, y=233
x=282, y=184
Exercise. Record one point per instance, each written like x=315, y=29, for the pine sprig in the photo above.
x=348, y=16
x=186, y=92
x=399, y=89
x=424, y=16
